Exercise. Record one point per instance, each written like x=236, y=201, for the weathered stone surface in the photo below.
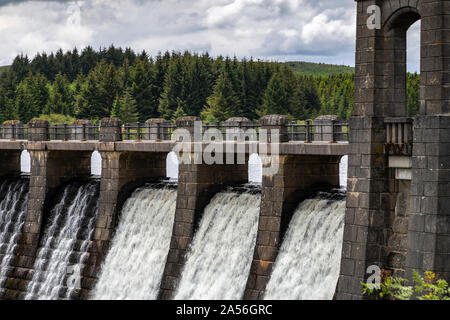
x=82, y=130
x=110, y=130
x=297, y=177
x=380, y=93
x=197, y=184
x=38, y=130
x=157, y=129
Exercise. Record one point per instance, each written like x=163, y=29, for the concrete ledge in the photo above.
x=294, y=148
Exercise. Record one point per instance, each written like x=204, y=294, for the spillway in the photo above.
x=134, y=266
x=13, y=205
x=220, y=256
x=64, y=245
x=308, y=264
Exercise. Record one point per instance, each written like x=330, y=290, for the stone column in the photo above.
x=236, y=130
x=157, y=130
x=110, y=130
x=188, y=123
x=122, y=173
x=429, y=218
x=297, y=178
x=435, y=54
x=276, y=126
x=38, y=130
x=13, y=130
x=326, y=128
x=197, y=184
x=380, y=92
x=82, y=130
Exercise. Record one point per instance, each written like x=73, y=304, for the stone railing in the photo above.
x=323, y=129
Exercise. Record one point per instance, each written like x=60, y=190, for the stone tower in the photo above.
x=398, y=204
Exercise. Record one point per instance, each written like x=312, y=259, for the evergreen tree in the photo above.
x=90, y=103
x=31, y=97
x=21, y=67
x=125, y=108
x=280, y=94
x=142, y=82
x=61, y=99
x=173, y=88
x=223, y=103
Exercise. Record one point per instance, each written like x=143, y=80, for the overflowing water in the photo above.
x=13, y=205
x=134, y=266
x=221, y=253
x=64, y=246
x=307, y=267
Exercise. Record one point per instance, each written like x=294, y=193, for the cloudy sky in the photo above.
x=283, y=30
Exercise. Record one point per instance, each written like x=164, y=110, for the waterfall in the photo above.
x=221, y=253
x=64, y=246
x=134, y=266
x=307, y=267
x=13, y=204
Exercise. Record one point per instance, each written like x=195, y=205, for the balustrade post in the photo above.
x=308, y=131
x=156, y=129
x=38, y=130
x=110, y=130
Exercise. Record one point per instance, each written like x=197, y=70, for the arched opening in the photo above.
x=413, y=69
x=400, y=33
x=255, y=169
x=343, y=169
x=172, y=166
x=25, y=162
x=96, y=164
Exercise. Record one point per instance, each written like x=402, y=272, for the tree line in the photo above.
x=136, y=86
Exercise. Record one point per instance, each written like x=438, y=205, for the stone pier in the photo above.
x=122, y=173
x=49, y=170
x=381, y=229
x=297, y=177
x=197, y=184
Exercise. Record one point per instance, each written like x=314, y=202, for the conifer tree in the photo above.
x=61, y=100
x=142, y=82
x=125, y=108
x=223, y=103
x=173, y=88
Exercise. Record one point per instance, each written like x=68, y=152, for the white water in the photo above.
x=12, y=216
x=134, y=266
x=54, y=260
x=221, y=253
x=307, y=267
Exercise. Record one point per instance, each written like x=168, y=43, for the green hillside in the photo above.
x=318, y=69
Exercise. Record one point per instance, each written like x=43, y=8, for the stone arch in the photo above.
x=403, y=18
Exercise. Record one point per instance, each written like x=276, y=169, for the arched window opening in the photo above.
x=25, y=162
x=96, y=164
x=413, y=67
x=172, y=166
x=255, y=169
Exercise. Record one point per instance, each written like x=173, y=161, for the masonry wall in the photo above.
x=122, y=173
x=197, y=184
x=10, y=162
x=282, y=191
x=49, y=170
x=429, y=219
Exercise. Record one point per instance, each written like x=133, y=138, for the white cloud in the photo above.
x=317, y=30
